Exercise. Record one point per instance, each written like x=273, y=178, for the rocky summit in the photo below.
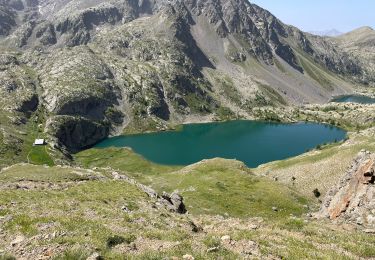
x=105, y=66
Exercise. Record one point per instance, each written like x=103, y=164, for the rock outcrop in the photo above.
x=173, y=202
x=353, y=200
x=76, y=133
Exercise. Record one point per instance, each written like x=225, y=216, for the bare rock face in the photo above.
x=76, y=133
x=353, y=200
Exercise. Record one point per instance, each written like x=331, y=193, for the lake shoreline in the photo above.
x=252, y=141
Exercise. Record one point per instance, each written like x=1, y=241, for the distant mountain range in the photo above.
x=330, y=33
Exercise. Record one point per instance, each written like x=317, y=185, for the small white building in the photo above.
x=39, y=142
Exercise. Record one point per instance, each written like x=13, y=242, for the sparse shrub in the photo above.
x=316, y=193
x=117, y=240
x=294, y=224
x=7, y=257
x=212, y=241
x=75, y=254
x=114, y=241
x=221, y=186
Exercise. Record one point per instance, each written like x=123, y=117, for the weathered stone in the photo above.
x=188, y=257
x=212, y=249
x=350, y=200
x=174, y=202
x=17, y=240
x=94, y=256
x=225, y=238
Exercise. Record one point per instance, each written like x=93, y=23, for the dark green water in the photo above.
x=252, y=142
x=354, y=99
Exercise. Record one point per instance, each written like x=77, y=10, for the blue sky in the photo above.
x=319, y=15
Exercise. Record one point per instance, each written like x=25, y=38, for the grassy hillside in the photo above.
x=322, y=168
x=217, y=186
x=118, y=221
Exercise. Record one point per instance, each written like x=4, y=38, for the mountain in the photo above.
x=360, y=44
x=329, y=33
x=91, y=68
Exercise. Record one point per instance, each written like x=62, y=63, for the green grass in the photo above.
x=76, y=254
x=272, y=94
x=224, y=187
x=101, y=199
x=38, y=155
x=314, y=72
x=35, y=173
x=326, y=152
x=123, y=159
x=95, y=218
x=214, y=187
x=19, y=147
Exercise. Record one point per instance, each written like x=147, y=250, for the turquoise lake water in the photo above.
x=355, y=99
x=252, y=142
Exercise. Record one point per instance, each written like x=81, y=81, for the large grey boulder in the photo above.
x=174, y=202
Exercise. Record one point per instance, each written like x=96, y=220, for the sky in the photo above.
x=320, y=15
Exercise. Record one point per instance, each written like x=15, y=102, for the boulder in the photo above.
x=174, y=202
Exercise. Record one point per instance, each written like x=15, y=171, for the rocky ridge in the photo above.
x=115, y=66
x=352, y=200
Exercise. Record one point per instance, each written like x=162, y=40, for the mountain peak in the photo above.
x=358, y=34
x=360, y=30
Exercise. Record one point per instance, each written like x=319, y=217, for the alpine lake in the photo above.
x=252, y=142
x=354, y=99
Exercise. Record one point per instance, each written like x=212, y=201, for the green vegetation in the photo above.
x=80, y=254
x=214, y=187
x=36, y=173
x=39, y=155
x=97, y=223
x=328, y=151
x=223, y=187
x=123, y=159
x=117, y=240
x=316, y=73
x=276, y=98
x=17, y=146
x=224, y=113
x=228, y=89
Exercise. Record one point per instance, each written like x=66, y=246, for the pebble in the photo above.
x=225, y=238
x=94, y=256
x=188, y=257
x=212, y=249
x=253, y=227
x=17, y=240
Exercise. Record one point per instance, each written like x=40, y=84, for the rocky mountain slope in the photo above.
x=359, y=43
x=102, y=65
